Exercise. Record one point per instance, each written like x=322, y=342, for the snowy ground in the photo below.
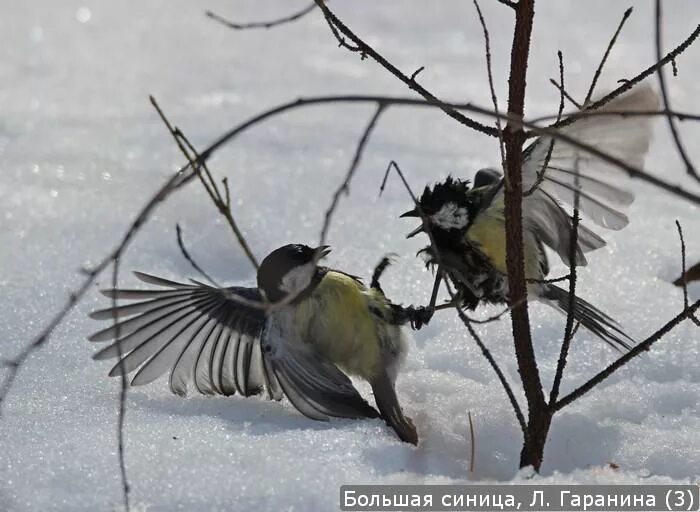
x=81, y=150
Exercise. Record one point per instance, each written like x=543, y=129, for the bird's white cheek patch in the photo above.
x=298, y=278
x=451, y=216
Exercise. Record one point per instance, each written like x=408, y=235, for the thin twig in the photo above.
x=508, y=3
x=366, y=49
x=263, y=24
x=484, y=350
x=489, y=357
x=551, y=131
x=549, y=281
x=472, y=443
x=541, y=173
x=628, y=84
x=690, y=168
x=626, y=358
x=566, y=95
x=598, y=71
x=489, y=72
x=487, y=320
x=190, y=259
x=123, y=386
x=321, y=100
x=570, y=315
x=344, y=186
x=198, y=164
x=342, y=43
x=582, y=114
x=416, y=73
x=683, y=274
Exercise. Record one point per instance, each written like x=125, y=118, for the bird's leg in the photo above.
x=421, y=315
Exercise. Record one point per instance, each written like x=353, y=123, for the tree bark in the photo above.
x=539, y=417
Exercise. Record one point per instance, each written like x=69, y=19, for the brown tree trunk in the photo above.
x=514, y=137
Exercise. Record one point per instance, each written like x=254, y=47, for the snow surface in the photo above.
x=81, y=150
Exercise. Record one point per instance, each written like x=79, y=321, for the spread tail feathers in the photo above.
x=590, y=317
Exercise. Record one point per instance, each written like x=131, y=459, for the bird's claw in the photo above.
x=419, y=316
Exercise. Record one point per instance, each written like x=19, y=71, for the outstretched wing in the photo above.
x=570, y=171
x=203, y=336
x=199, y=333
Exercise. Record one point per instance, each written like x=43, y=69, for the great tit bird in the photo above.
x=468, y=224
x=304, y=350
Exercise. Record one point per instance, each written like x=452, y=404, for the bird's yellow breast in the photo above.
x=489, y=233
x=336, y=320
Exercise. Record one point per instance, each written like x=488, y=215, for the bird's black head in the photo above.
x=446, y=205
x=451, y=206
x=289, y=269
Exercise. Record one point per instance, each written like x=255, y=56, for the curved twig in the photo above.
x=262, y=24
x=612, y=42
x=623, y=360
x=628, y=84
x=690, y=168
x=344, y=186
x=366, y=50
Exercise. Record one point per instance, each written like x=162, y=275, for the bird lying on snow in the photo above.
x=333, y=327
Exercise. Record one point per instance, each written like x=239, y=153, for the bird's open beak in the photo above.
x=413, y=233
x=410, y=213
x=323, y=251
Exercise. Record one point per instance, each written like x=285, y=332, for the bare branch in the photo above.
x=416, y=73
x=684, y=280
x=626, y=358
x=514, y=136
x=489, y=357
x=489, y=72
x=551, y=131
x=190, y=259
x=550, y=281
x=508, y=3
x=321, y=100
x=690, y=169
x=198, y=164
x=548, y=156
x=628, y=84
x=344, y=186
x=262, y=24
x=367, y=50
x=566, y=95
x=569, y=329
x=598, y=71
x=481, y=321
x=472, y=443
x=123, y=385
x=581, y=114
